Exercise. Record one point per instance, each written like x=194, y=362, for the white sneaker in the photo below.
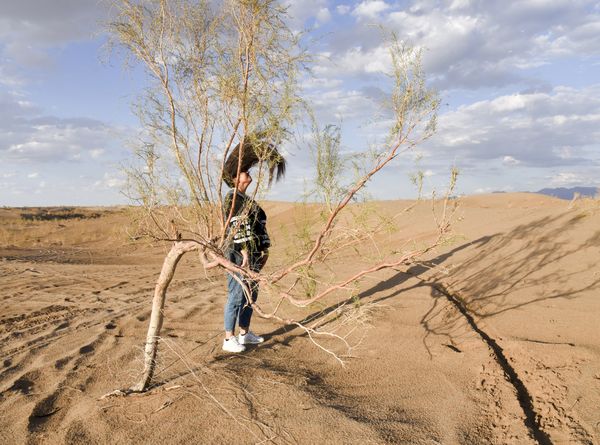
x=232, y=345
x=250, y=338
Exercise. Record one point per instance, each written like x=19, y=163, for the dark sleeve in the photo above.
x=260, y=229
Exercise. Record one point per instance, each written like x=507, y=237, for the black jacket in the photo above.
x=247, y=228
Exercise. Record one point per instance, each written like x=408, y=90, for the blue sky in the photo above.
x=519, y=82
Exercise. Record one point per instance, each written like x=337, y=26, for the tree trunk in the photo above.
x=156, y=318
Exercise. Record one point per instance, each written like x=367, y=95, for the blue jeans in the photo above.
x=237, y=308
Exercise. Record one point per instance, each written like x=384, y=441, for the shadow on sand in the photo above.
x=493, y=268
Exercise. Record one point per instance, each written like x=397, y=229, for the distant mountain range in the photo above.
x=569, y=193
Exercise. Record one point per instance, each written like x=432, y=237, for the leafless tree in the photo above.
x=223, y=75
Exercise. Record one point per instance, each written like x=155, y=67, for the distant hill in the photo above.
x=569, y=193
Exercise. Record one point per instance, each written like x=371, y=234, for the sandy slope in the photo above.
x=497, y=344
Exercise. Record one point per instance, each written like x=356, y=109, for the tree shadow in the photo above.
x=393, y=283
x=533, y=263
x=489, y=271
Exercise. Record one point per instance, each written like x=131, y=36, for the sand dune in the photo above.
x=493, y=340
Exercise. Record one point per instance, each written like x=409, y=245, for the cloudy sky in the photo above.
x=519, y=82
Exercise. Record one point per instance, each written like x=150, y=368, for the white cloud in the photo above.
x=560, y=127
x=33, y=175
x=29, y=27
x=356, y=60
x=97, y=152
x=29, y=136
x=320, y=82
x=370, y=9
x=568, y=179
x=343, y=9
x=9, y=75
x=323, y=15
x=57, y=140
x=301, y=11
x=459, y=4
x=509, y=160
x=110, y=181
x=508, y=103
x=342, y=105
x=564, y=152
x=474, y=44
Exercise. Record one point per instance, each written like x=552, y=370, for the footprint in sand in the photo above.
x=62, y=326
x=60, y=363
x=86, y=349
x=23, y=385
x=144, y=316
x=42, y=411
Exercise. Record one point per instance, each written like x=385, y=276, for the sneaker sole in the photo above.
x=234, y=352
x=252, y=342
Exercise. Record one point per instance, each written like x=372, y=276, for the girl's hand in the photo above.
x=264, y=256
x=244, y=259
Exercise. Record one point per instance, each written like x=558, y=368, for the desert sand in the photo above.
x=494, y=339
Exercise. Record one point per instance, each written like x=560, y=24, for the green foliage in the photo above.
x=417, y=180
x=413, y=102
x=330, y=164
x=217, y=73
